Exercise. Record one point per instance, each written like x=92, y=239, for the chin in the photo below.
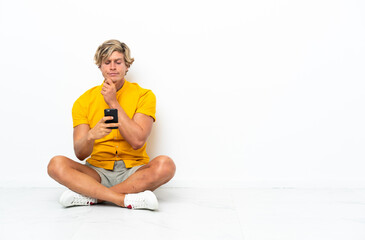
x=116, y=79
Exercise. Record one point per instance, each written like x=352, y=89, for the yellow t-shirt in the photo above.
x=89, y=109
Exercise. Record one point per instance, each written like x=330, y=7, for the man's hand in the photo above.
x=101, y=129
x=109, y=91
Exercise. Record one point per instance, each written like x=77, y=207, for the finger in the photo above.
x=107, y=86
x=108, y=81
x=112, y=124
x=106, y=118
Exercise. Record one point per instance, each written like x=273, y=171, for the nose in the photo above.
x=112, y=65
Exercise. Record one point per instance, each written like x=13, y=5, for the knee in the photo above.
x=165, y=166
x=55, y=166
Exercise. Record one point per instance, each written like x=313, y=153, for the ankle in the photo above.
x=120, y=200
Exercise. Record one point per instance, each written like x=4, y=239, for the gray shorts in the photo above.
x=113, y=177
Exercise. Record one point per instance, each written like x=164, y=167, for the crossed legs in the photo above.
x=86, y=181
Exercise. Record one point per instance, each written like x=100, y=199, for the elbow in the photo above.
x=137, y=145
x=80, y=156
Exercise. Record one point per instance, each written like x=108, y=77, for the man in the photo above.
x=118, y=169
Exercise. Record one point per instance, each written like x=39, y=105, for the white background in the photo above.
x=249, y=93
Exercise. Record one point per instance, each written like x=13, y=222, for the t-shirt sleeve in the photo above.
x=147, y=104
x=79, y=113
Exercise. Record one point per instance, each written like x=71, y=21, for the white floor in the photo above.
x=189, y=213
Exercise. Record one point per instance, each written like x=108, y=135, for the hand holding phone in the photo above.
x=114, y=113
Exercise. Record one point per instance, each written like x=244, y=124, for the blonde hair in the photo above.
x=106, y=49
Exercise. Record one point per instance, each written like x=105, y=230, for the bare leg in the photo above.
x=82, y=179
x=157, y=172
x=86, y=181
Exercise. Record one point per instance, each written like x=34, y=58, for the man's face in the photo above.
x=114, y=67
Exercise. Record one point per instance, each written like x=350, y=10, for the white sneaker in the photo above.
x=70, y=198
x=143, y=200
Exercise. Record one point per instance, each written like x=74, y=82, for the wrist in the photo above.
x=113, y=104
x=90, y=136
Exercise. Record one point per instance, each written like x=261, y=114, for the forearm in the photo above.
x=83, y=146
x=133, y=133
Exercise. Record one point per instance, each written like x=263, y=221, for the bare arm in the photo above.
x=136, y=130
x=84, y=137
x=83, y=144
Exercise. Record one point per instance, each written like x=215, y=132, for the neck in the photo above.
x=120, y=84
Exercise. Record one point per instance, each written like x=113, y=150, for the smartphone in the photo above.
x=111, y=112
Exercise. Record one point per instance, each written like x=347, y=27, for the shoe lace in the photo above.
x=139, y=201
x=82, y=200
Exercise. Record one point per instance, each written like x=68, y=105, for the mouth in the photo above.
x=113, y=74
